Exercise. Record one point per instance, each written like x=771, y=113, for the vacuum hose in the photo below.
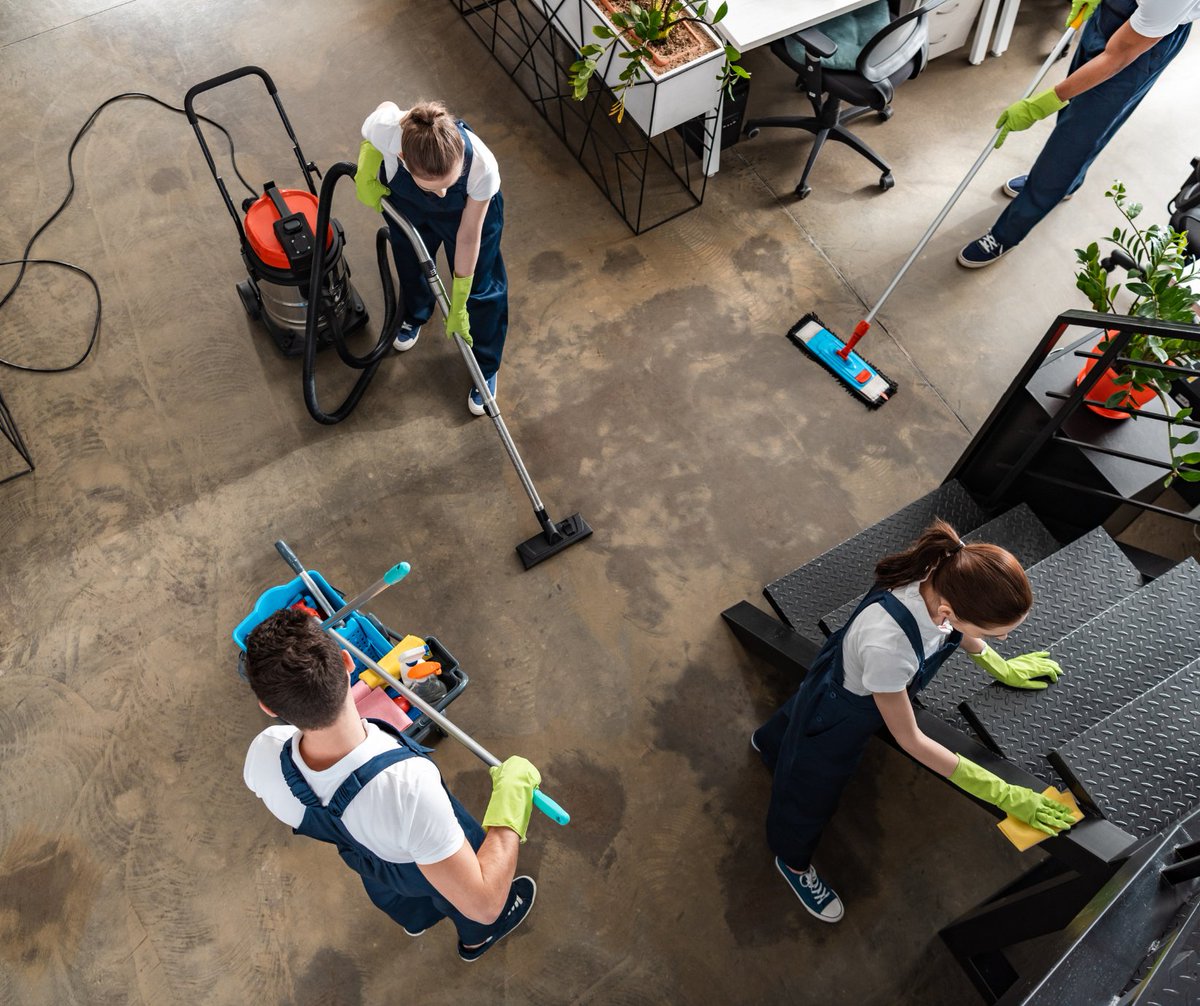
x=367, y=364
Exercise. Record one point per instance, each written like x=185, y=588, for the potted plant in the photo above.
x=660, y=46
x=1159, y=277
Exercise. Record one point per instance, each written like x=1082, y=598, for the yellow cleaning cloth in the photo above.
x=390, y=661
x=1025, y=836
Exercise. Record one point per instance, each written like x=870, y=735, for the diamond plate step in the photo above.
x=1140, y=766
x=1175, y=980
x=1108, y=662
x=801, y=597
x=1066, y=593
x=1017, y=530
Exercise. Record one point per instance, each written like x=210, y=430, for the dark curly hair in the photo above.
x=296, y=670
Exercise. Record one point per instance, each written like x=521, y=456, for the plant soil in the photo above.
x=682, y=45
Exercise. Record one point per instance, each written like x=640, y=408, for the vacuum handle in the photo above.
x=224, y=78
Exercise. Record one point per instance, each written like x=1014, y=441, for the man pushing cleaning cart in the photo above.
x=364, y=785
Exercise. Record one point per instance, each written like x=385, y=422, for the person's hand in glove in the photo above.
x=367, y=186
x=1021, y=802
x=458, y=320
x=1085, y=7
x=1030, y=670
x=1024, y=113
x=513, y=783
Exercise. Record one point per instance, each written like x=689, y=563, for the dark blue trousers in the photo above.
x=1088, y=122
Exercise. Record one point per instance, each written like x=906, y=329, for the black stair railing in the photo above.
x=1051, y=432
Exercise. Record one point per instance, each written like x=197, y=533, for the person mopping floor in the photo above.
x=441, y=177
x=928, y=600
x=364, y=787
x=1122, y=51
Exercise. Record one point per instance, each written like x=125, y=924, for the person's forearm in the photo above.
x=1093, y=72
x=466, y=254
x=930, y=753
x=972, y=644
x=498, y=864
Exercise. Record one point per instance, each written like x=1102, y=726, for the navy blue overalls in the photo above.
x=815, y=741
x=437, y=219
x=400, y=889
x=1086, y=125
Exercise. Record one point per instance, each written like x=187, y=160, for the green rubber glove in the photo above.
x=1019, y=672
x=1085, y=7
x=367, y=186
x=457, y=320
x=513, y=783
x=1021, y=802
x=1024, y=113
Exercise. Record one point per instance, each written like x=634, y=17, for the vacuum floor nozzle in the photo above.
x=567, y=532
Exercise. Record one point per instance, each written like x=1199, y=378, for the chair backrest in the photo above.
x=895, y=45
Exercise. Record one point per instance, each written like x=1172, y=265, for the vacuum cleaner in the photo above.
x=300, y=289
x=278, y=246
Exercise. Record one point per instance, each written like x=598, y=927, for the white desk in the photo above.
x=751, y=23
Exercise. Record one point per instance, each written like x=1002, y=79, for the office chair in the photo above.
x=896, y=53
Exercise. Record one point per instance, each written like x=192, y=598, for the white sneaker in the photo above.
x=406, y=337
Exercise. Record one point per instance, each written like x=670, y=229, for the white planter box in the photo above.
x=656, y=103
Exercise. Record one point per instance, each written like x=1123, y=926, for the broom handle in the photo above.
x=988, y=148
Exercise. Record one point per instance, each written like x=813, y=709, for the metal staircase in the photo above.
x=1121, y=728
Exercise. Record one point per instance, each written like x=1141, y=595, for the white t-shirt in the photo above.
x=403, y=815
x=382, y=128
x=1156, y=18
x=876, y=654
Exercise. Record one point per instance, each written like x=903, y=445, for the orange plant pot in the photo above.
x=1106, y=387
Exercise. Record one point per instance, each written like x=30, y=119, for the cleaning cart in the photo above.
x=374, y=698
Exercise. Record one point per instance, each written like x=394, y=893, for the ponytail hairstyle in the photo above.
x=984, y=584
x=430, y=140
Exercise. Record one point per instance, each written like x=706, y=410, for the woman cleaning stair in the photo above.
x=939, y=594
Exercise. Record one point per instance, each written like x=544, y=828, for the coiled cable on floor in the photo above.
x=25, y=260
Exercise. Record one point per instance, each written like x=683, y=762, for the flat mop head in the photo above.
x=542, y=545
x=861, y=379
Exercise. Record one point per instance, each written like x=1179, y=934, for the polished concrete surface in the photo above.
x=649, y=384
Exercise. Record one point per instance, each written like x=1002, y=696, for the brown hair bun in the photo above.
x=430, y=140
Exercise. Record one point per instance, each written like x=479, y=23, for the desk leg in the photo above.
x=1008, y=18
x=712, y=138
x=983, y=31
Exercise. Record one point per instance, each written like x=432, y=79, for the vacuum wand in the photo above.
x=542, y=802
x=554, y=537
x=861, y=328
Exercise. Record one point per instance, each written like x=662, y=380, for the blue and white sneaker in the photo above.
x=475, y=399
x=406, y=337
x=814, y=895
x=981, y=252
x=1015, y=184
x=520, y=901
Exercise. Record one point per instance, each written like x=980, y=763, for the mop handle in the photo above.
x=988, y=148
x=314, y=591
x=393, y=575
x=543, y=803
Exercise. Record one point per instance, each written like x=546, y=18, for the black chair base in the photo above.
x=829, y=124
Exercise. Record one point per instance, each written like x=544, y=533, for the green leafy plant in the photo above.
x=646, y=27
x=1161, y=288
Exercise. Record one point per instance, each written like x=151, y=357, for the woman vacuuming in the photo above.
x=442, y=178
x=937, y=595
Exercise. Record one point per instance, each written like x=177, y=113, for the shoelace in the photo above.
x=990, y=245
x=819, y=891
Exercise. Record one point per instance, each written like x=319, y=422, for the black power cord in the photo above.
x=25, y=261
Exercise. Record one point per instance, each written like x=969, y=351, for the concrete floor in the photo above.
x=650, y=387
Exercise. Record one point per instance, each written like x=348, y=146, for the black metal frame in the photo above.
x=629, y=167
x=8, y=427
x=1005, y=410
